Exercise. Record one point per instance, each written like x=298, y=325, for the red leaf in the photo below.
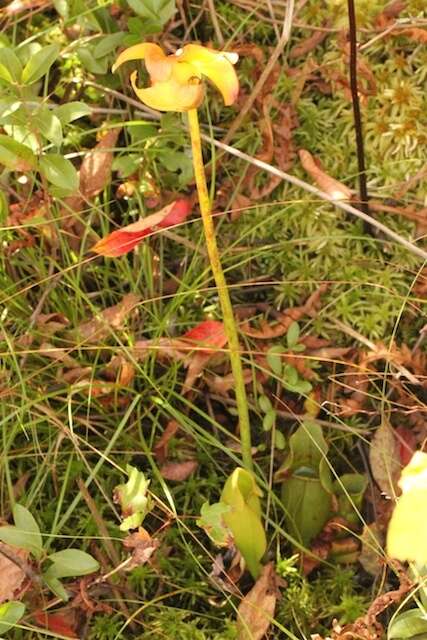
x=123, y=240
x=178, y=471
x=209, y=334
x=55, y=622
x=406, y=444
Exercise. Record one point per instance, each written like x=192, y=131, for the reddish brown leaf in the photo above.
x=123, y=240
x=95, y=172
x=329, y=185
x=12, y=576
x=256, y=611
x=406, y=444
x=56, y=622
x=178, y=471
x=161, y=447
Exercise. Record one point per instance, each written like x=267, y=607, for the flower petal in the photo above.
x=169, y=95
x=158, y=65
x=123, y=240
x=215, y=65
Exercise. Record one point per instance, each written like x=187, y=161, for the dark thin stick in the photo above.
x=363, y=189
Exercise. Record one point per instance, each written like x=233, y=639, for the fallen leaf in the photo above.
x=58, y=354
x=12, y=576
x=308, y=44
x=112, y=318
x=95, y=171
x=326, y=183
x=256, y=611
x=406, y=444
x=142, y=546
x=161, y=447
x=385, y=461
x=414, y=33
x=178, y=471
x=60, y=623
x=18, y=6
x=123, y=240
x=209, y=334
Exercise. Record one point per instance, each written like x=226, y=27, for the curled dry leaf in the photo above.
x=12, y=576
x=112, y=318
x=178, y=471
x=326, y=183
x=256, y=611
x=95, y=172
x=161, y=447
x=385, y=461
x=141, y=545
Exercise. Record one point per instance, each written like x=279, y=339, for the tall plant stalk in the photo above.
x=223, y=294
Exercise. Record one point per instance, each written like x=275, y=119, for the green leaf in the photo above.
x=157, y=11
x=279, y=440
x=10, y=67
x=10, y=613
x=72, y=111
x=70, y=563
x=97, y=66
x=107, y=44
x=16, y=156
x=308, y=507
x=8, y=107
x=40, y=63
x=60, y=172
x=49, y=125
x=275, y=360
x=264, y=403
x=269, y=420
x=408, y=625
x=57, y=587
x=350, y=489
x=212, y=521
x=62, y=7
x=26, y=523
x=292, y=335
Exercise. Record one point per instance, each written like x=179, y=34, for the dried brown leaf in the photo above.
x=12, y=576
x=112, y=318
x=178, y=471
x=384, y=460
x=326, y=183
x=256, y=611
x=142, y=546
x=95, y=172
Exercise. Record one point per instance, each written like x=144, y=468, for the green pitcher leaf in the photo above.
x=212, y=521
x=308, y=507
x=133, y=498
x=242, y=495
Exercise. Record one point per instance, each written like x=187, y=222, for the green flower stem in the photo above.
x=221, y=284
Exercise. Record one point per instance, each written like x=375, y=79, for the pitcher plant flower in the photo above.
x=176, y=79
x=176, y=84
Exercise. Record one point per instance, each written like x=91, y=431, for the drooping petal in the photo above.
x=158, y=65
x=215, y=65
x=170, y=95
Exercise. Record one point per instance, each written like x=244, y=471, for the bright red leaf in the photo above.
x=209, y=334
x=123, y=240
x=55, y=622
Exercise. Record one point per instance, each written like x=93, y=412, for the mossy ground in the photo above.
x=277, y=252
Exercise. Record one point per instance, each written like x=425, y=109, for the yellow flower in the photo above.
x=176, y=80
